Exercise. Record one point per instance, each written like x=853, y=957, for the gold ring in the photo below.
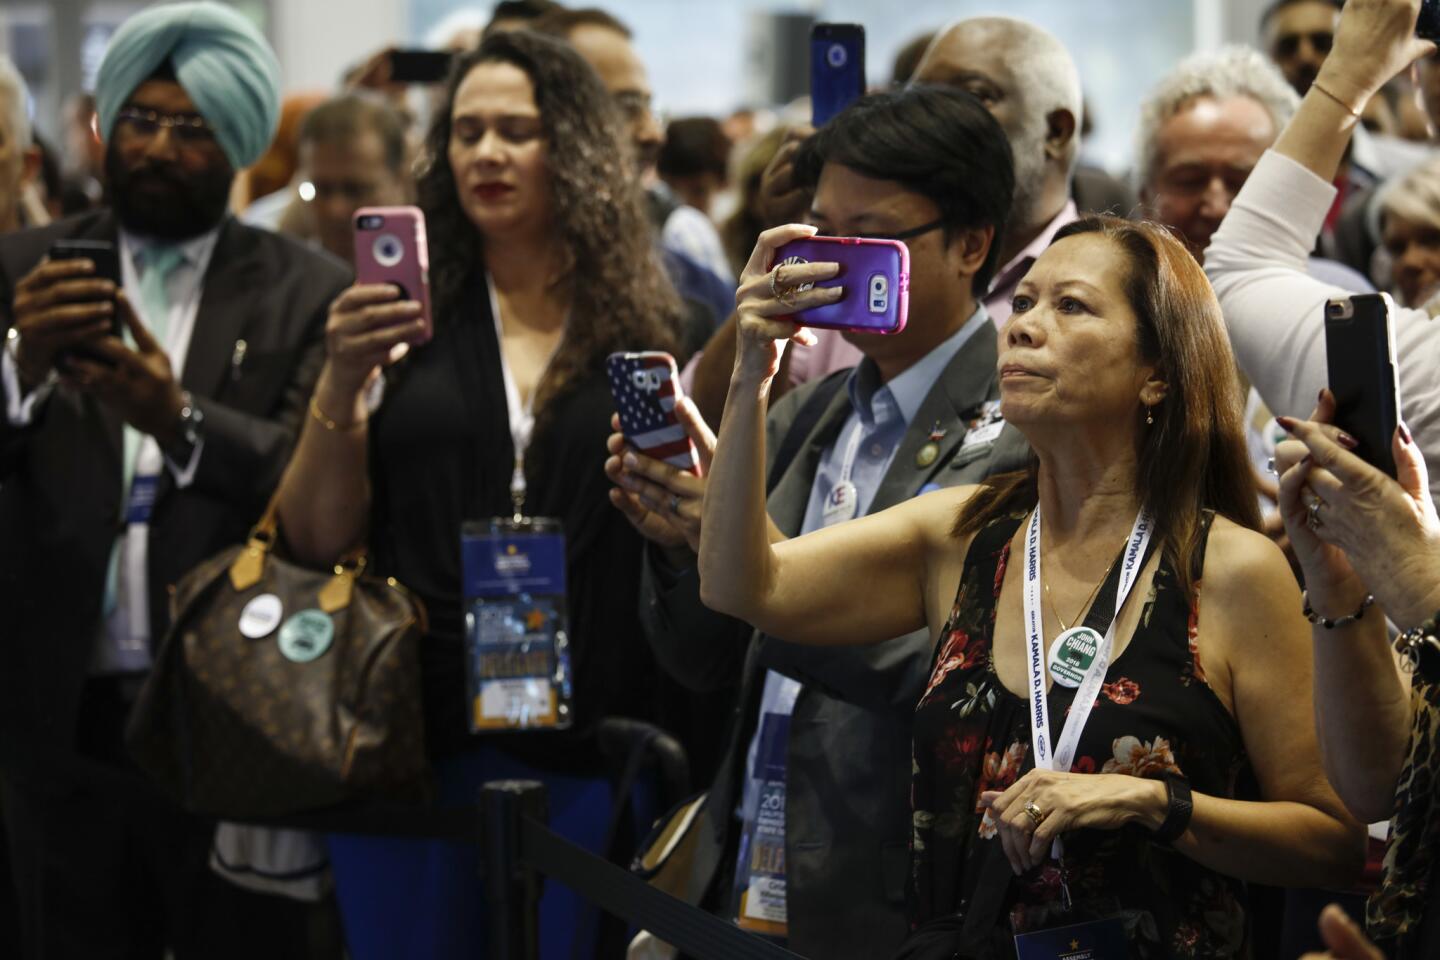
x=783, y=295
x=1036, y=815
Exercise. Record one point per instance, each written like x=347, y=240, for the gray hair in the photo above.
x=15, y=102
x=1229, y=72
x=1044, y=69
x=1416, y=195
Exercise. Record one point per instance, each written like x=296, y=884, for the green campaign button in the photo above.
x=1072, y=654
x=306, y=635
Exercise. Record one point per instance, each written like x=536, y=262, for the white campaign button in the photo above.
x=261, y=616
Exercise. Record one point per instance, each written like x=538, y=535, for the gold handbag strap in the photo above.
x=247, y=568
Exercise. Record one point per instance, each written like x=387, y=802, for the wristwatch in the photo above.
x=1180, y=807
x=190, y=427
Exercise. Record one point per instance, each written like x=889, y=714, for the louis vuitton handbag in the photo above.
x=280, y=689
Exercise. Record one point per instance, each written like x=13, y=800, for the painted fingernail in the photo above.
x=1346, y=441
x=1405, y=437
x=1286, y=423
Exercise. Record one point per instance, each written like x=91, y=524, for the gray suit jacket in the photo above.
x=847, y=818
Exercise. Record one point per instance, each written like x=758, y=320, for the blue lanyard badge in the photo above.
x=1097, y=940
x=515, y=625
x=142, y=499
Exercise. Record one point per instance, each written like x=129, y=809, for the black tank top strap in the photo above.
x=1197, y=560
x=992, y=538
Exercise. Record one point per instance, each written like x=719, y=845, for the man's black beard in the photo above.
x=159, y=200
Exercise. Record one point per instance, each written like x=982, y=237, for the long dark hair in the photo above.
x=620, y=298
x=1193, y=457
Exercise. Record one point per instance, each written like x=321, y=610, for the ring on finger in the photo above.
x=1312, y=510
x=1270, y=467
x=1033, y=811
x=674, y=503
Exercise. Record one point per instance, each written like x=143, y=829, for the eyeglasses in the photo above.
x=910, y=234
x=188, y=129
x=1288, y=44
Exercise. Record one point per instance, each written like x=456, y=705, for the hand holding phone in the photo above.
x=874, y=273
x=646, y=387
x=62, y=306
x=1364, y=375
x=390, y=248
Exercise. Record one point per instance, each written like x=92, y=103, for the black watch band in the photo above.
x=1180, y=807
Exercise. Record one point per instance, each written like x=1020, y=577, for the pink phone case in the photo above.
x=390, y=247
x=646, y=387
x=876, y=277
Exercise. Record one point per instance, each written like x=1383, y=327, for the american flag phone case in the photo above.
x=646, y=387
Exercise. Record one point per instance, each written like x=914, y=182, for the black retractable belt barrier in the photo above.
x=512, y=889
x=517, y=842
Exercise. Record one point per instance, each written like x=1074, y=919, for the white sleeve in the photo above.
x=20, y=410
x=1275, y=310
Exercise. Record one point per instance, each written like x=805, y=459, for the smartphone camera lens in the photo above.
x=879, y=293
x=837, y=55
x=388, y=250
x=370, y=222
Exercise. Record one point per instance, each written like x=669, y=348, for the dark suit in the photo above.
x=60, y=493
x=847, y=817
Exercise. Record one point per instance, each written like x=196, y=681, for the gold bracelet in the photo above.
x=1348, y=109
x=329, y=424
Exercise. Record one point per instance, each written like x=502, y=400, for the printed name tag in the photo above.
x=142, y=499
x=515, y=624
x=986, y=427
x=1097, y=940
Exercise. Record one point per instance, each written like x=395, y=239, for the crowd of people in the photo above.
x=1182, y=716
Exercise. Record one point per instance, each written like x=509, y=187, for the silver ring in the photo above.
x=785, y=296
x=1270, y=467
x=675, y=504
x=1313, y=520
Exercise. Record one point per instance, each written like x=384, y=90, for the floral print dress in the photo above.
x=1155, y=713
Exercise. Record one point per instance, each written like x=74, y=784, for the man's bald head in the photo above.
x=1027, y=80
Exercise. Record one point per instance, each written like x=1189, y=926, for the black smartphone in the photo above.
x=837, y=69
x=102, y=253
x=1427, y=25
x=419, y=66
x=1360, y=352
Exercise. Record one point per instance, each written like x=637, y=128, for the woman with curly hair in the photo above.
x=541, y=265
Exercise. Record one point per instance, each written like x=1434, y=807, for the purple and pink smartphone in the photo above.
x=646, y=387
x=390, y=248
x=874, y=273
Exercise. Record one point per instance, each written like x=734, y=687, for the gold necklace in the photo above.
x=1084, y=606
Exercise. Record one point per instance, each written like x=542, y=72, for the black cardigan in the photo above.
x=440, y=454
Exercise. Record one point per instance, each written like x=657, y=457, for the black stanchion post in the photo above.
x=512, y=887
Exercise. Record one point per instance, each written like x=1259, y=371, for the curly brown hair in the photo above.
x=620, y=296
x=1193, y=457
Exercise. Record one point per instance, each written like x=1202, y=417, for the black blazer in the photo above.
x=60, y=477
x=441, y=454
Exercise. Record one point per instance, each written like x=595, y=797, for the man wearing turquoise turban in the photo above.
x=151, y=388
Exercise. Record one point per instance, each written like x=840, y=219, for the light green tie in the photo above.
x=157, y=264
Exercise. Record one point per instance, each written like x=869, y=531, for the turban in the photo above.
x=219, y=58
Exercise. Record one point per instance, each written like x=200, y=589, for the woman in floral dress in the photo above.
x=1116, y=367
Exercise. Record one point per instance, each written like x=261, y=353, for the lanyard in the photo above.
x=852, y=450
x=1127, y=571
x=522, y=416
